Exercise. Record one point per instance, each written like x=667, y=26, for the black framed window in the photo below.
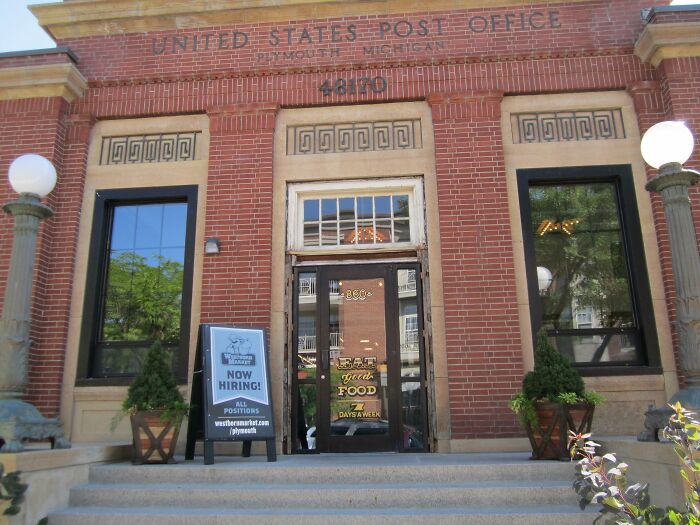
x=587, y=276
x=139, y=283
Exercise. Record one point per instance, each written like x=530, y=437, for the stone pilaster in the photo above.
x=673, y=183
x=14, y=325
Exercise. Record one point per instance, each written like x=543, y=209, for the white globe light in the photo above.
x=32, y=174
x=544, y=278
x=667, y=142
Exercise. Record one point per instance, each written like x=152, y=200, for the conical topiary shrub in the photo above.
x=154, y=387
x=553, y=402
x=553, y=374
x=156, y=407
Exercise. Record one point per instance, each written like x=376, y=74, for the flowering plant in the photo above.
x=603, y=480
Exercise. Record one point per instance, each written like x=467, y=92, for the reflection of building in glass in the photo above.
x=588, y=306
x=408, y=324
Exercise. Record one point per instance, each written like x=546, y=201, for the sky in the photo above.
x=19, y=30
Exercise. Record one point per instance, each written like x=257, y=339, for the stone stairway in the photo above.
x=331, y=489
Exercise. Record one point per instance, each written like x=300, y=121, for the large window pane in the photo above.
x=306, y=360
x=306, y=331
x=124, y=227
x=306, y=417
x=143, y=297
x=577, y=236
x=412, y=415
x=138, y=289
x=409, y=336
x=174, y=224
x=149, y=223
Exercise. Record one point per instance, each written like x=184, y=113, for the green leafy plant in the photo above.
x=593, y=398
x=154, y=388
x=553, y=374
x=524, y=408
x=568, y=398
x=11, y=490
x=603, y=480
x=553, y=379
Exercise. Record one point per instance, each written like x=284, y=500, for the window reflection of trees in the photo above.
x=582, y=246
x=142, y=298
x=143, y=303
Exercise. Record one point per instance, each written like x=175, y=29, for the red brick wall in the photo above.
x=236, y=283
x=36, y=126
x=241, y=91
x=484, y=357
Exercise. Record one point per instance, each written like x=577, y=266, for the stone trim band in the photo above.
x=567, y=126
x=143, y=149
x=354, y=137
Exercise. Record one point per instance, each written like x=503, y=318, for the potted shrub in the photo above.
x=156, y=407
x=553, y=402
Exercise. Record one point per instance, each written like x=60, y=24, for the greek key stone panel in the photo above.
x=354, y=137
x=142, y=149
x=567, y=126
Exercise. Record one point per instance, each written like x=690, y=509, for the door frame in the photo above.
x=395, y=438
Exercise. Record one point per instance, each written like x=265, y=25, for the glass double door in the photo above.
x=360, y=383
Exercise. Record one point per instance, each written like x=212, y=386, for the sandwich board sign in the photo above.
x=231, y=398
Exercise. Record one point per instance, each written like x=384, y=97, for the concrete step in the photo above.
x=405, y=489
x=351, y=469
x=467, y=515
x=337, y=496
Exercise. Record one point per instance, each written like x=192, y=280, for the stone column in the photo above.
x=27, y=211
x=20, y=420
x=673, y=183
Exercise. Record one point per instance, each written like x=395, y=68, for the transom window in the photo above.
x=356, y=215
x=378, y=219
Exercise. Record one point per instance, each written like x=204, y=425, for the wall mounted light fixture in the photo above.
x=212, y=245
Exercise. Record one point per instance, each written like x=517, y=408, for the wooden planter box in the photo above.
x=154, y=439
x=555, y=420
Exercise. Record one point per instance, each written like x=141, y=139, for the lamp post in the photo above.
x=666, y=146
x=33, y=177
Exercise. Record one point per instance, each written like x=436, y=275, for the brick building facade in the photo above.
x=263, y=122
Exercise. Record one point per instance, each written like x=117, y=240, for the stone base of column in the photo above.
x=656, y=418
x=689, y=398
x=20, y=421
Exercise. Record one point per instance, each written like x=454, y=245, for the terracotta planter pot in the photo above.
x=154, y=439
x=549, y=439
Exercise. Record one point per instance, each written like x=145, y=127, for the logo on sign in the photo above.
x=238, y=345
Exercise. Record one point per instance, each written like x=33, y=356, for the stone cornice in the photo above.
x=79, y=18
x=49, y=80
x=660, y=41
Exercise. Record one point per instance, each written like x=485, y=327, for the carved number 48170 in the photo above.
x=354, y=86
